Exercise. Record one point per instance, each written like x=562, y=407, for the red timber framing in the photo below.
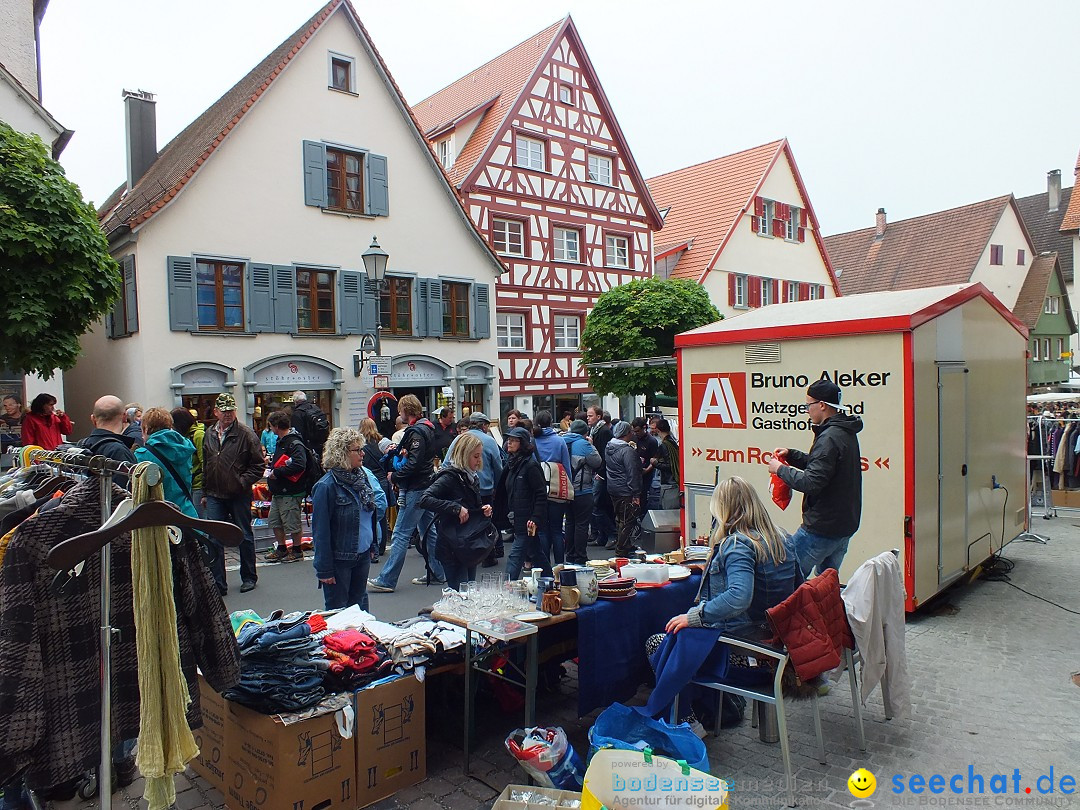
x=586, y=212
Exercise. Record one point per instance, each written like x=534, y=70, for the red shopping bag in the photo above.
x=778, y=488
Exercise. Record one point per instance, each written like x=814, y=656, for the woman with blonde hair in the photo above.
x=751, y=568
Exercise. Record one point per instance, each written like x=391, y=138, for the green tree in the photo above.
x=639, y=320
x=59, y=278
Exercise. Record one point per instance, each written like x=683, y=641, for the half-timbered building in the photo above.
x=532, y=144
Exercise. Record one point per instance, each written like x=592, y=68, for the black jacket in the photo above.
x=600, y=437
x=451, y=488
x=521, y=492
x=290, y=445
x=230, y=468
x=115, y=446
x=373, y=461
x=830, y=477
x=301, y=422
x=413, y=466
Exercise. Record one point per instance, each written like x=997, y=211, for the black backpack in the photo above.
x=318, y=427
x=313, y=471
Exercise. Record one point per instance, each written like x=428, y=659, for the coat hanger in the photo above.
x=155, y=513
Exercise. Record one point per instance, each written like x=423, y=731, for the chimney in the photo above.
x=140, y=119
x=1053, y=189
x=879, y=226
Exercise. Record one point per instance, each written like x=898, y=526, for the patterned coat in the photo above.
x=50, y=698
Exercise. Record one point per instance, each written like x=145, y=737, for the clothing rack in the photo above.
x=1046, y=465
x=103, y=467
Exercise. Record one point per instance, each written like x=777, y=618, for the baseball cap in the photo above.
x=826, y=391
x=225, y=402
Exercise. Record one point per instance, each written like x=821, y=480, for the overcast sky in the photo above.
x=915, y=106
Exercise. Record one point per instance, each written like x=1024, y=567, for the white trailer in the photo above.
x=938, y=376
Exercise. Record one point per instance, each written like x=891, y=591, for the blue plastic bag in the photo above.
x=620, y=726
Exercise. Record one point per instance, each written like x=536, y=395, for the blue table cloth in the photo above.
x=611, y=641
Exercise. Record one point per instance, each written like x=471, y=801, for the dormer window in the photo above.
x=566, y=94
x=342, y=73
x=445, y=151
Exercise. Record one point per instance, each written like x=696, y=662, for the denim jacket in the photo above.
x=737, y=589
x=339, y=530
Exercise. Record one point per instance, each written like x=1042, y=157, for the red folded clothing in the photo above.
x=352, y=642
x=317, y=623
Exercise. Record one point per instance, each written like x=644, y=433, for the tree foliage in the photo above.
x=639, y=320
x=59, y=278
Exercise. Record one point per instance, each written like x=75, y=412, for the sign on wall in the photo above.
x=299, y=373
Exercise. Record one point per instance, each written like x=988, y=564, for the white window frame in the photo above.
x=612, y=256
x=510, y=330
x=496, y=222
x=1035, y=345
x=445, y=151
x=566, y=94
x=1061, y=347
x=601, y=169
x=742, y=291
x=330, y=57
x=529, y=153
x=792, y=233
x=792, y=291
x=561, y=244
x=1051, y=306
x=1046, y=349
x=767, y=292
x=814, y=292
x=566, y=332
x=768, y=209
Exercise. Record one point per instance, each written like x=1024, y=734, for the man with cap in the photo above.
x=233, y=461
x=490, y=473
x=585, y=461
x=830, y=478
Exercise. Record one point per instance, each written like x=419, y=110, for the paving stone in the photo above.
x=425, y=803
x=412, y=794
x=190, y=800
x=215, y=797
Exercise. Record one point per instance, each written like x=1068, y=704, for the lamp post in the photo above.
x=375, y=260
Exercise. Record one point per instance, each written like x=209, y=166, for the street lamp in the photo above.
x=375, y=260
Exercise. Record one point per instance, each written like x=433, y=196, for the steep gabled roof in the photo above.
x=1044, y=226
x=927, y=251
x=1032, y=299
x=1071, y=221
x=505, y=80
x=707, y=201
x=182, y=157
x=63, y=135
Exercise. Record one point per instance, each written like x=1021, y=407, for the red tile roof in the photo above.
x=1071, y=220
x=496, y=89
x=1032, y=298
x=182, y=157
x=707, y=201
x=927, y=251
x=502, y=79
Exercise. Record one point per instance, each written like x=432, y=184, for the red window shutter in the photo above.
x=754, y=224
x=731, y=289
x=755, y=291
x=785, y=211
x=821, y=291
x=802, y=234
x=802, y=217
x=804, y=292
x=759, y=207
x=779, y=228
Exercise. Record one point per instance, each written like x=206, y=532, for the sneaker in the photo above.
x=279, y=554
x=296, y=556
x=247, y=586
x=375, y=587
x=424, y=581
x=696, y=726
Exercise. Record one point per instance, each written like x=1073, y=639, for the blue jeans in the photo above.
x=410, y=517
x=813, y=549
x=350, y=584
x=526, y=547
x=457, y=572
x=551, y=539
x=237, y=511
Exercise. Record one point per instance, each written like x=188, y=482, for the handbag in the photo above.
x=559, y=488
x=471, y=541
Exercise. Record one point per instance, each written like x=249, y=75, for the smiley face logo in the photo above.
x=862, y=784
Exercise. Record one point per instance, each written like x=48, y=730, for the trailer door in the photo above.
x=952, y=471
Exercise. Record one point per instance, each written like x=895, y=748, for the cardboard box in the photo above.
x=391, y=749
x=1065, y=497
x=561, y=798
x=273, y=766
x=211, y=738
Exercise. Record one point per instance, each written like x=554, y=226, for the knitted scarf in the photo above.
x=357, y=481
x=166, y=744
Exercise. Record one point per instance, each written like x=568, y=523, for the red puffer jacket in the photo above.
x=812, y=623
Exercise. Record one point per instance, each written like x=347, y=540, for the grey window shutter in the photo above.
x=131, y=296
x=481, y=311
x=260, y=298
x=315, y=174
x=284, y=298
x=349, y=316
x=114, y=323
x=435, y=308
x=369, y=303
x=378, y=194
x=183, y=313
x=419, y=308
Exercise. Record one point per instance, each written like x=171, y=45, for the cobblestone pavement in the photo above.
x=992, y=689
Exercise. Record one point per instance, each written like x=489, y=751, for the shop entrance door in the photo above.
x=952, y=471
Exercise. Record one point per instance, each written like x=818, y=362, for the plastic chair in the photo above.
x=751, y=641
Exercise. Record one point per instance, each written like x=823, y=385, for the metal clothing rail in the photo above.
x=1046, y=466
x=104, y=468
